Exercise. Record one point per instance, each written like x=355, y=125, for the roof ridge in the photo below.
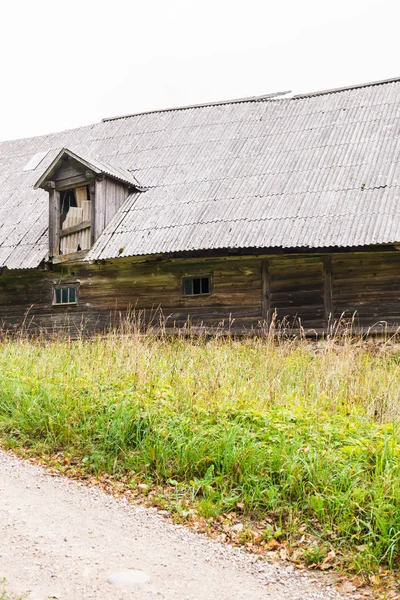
x=203, y=105
x=263, y=98
x=346, y=88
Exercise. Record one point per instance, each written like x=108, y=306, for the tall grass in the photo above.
x=297, y=433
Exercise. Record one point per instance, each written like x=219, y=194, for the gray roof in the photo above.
x=312, y=171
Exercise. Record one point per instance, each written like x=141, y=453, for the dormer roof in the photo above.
x=92, y=164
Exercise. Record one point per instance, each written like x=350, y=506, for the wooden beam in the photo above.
x=328, y=296
x=71, y=182
x=54, y=222
x=75, y=228
x=74, y=257
x=265, y=292
x=92, y=196
x=100, y=207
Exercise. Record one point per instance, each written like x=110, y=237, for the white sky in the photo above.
x=70, y=63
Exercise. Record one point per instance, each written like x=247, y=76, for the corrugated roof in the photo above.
x=311, y=171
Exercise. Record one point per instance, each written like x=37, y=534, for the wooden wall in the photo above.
x=107, y=291
x=300, y=289
x=368, y=285
x=297, y=291
x=109, y=197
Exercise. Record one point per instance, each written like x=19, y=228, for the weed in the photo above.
x=292, y=434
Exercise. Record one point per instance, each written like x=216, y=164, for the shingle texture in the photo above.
x=315, y=171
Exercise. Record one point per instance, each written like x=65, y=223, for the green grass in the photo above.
x=302, y=437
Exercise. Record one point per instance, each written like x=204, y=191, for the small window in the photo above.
x=196, y=286
x=65, y=295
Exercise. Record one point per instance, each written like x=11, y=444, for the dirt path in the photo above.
x=59, y=539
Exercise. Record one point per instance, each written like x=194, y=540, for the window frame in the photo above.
x=192, y=278
x=61, y=286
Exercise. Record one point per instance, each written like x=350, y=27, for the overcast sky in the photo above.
x=70, y=63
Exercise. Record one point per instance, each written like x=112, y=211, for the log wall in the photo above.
x=297, y=291
x=369, y=286
x=302, y=290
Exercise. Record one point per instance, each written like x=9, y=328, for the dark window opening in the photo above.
x=67, y=200
x=65, y=295
x=196, y=286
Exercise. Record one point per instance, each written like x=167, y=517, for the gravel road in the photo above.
x=60, y=539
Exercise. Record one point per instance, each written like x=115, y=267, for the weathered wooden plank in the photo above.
x=115, y=194
x=369, y=285
x=75, y=228
x=100, y=209
x=297, y=290
x=69, y=257
x=265, y=292
x=92, y=196
x=54, y=221
x=328, y=297
x=67, y=183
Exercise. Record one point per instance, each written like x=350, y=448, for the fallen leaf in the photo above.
x=329, y=558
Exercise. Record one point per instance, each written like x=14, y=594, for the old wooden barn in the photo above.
x=222, y=215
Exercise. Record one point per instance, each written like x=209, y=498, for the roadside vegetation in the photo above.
x=289, y=447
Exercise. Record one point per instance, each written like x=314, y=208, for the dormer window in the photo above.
x=84, y=195
x=75, y=220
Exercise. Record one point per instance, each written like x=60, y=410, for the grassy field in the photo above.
x=301, y=439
